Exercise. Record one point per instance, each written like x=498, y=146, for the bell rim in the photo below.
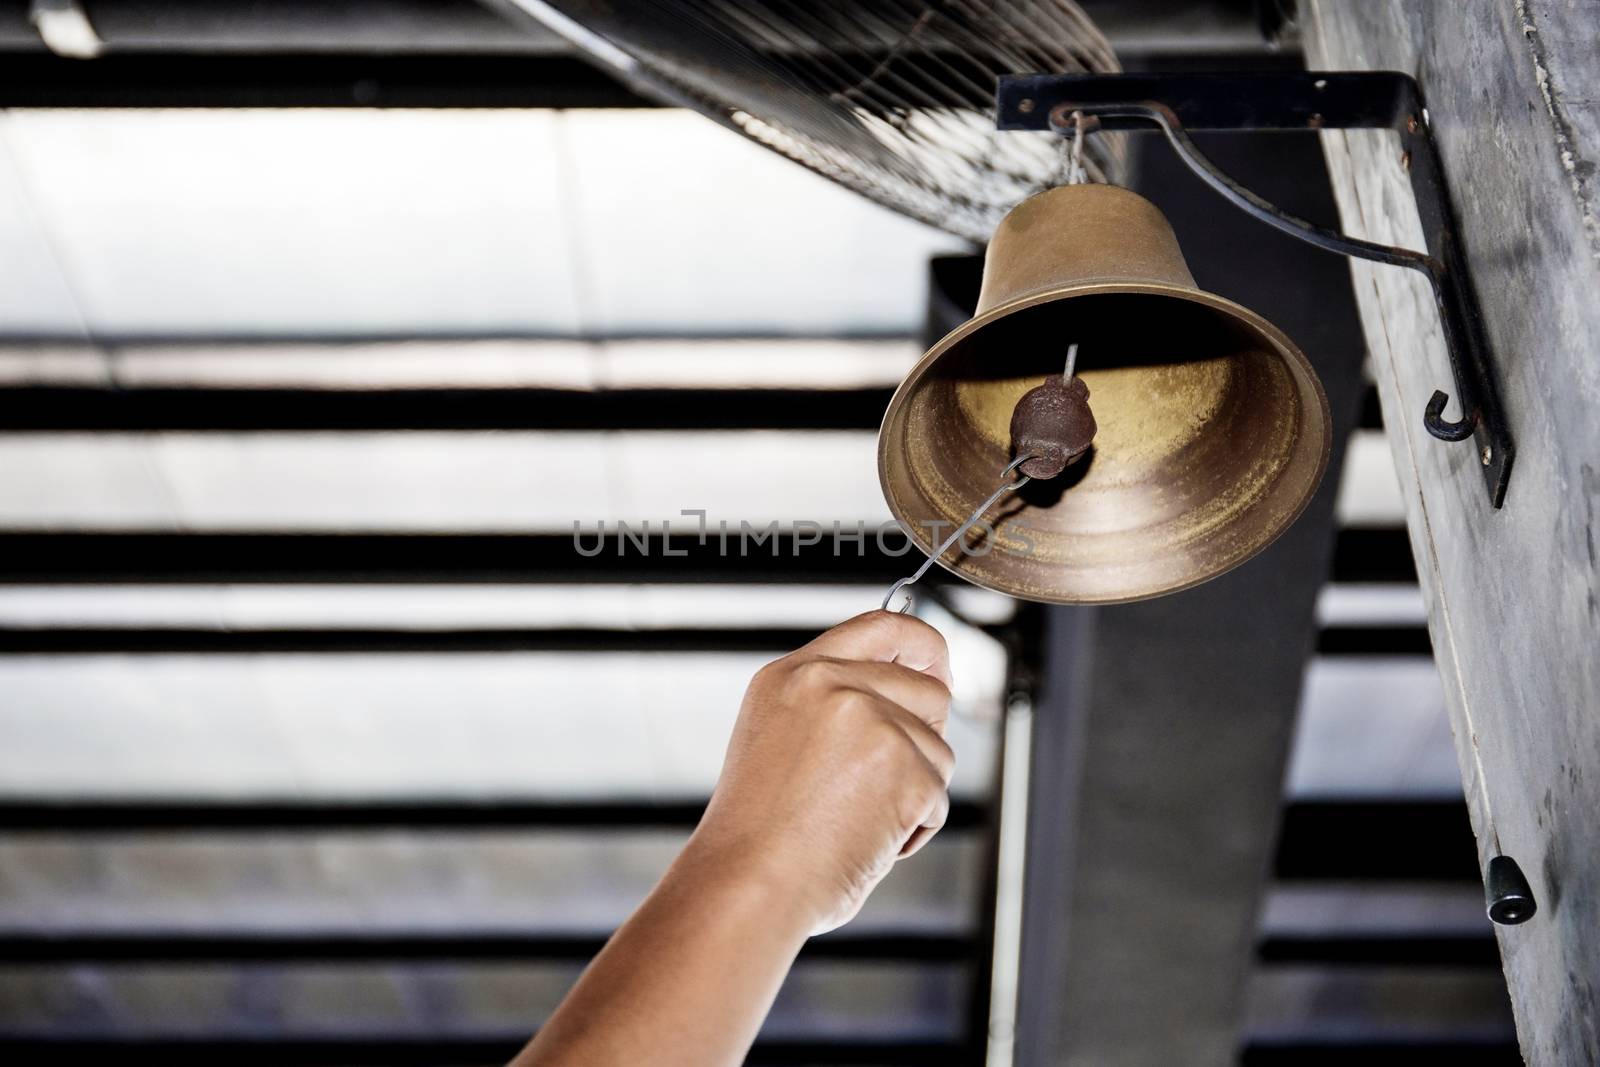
x=1279, y=340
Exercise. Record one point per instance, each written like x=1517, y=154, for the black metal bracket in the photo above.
x=1284, y=101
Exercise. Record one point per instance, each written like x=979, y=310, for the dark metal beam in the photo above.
x=560, y=559
x=386, y=1051
x=1336, y=840
x=433, y=815
x=244, y=27
x=1374, y=641
x=75, y=409
x=1364, y=555
x=1374, y=840
x=71, y=409
x=1408, y=950
x=156, y=947
x=1371, y=409
x=113, y=640
x=309, y=80
x=1314, y=1053
x=1374, y=555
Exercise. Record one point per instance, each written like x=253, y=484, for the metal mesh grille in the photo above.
x=894, y=99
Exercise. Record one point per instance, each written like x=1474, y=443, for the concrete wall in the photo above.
x=1513, y=91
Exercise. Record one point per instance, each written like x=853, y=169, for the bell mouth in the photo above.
x=1213, y=436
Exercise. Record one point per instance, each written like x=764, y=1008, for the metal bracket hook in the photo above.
x=1071, y=104
x=1444, y=429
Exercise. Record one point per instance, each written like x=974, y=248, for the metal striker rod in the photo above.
x=960, y=531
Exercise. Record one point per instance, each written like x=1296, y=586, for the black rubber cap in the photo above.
x=1509, y=896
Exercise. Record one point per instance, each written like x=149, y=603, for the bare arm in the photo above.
x=836, y=768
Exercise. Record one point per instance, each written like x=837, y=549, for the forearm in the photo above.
x=836, y=767
x=688, y=979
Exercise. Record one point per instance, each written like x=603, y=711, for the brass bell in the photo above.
x=1210, y=429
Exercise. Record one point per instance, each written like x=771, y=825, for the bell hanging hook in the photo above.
x=1076, y=174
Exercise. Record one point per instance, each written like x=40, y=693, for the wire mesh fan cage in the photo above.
x=891, y=98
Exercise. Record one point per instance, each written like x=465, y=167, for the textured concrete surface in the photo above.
x=1514, y=595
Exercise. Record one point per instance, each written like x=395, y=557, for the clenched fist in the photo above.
x=837, y=766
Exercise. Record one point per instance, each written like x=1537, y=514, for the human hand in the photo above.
x=837, y=766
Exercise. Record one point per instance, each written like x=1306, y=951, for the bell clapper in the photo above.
x=1051, y=428
x=1053, y=421
x=960, y=531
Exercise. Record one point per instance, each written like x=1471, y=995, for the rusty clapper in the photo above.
x=1051, y=427
x=1052, y=424
x=1207, y=436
